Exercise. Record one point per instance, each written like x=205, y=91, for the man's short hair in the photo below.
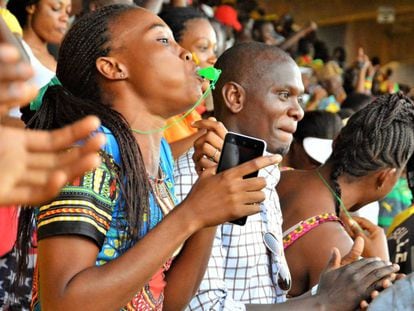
x=245, y=64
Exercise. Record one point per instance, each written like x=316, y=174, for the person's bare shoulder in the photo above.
x=300, y=196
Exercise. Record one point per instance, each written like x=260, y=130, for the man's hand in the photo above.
x=347, y=287
x=14, y=88
x=207, y=148
x=35, y=164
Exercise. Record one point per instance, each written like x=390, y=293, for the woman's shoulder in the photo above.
x=294, y=183
x=302, y=196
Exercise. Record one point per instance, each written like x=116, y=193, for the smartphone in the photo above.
x=6, y=36
x=237, y=149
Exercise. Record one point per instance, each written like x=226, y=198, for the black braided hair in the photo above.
x=378, y=136
x=18, y=9
x=88, y=39
x=177, y=17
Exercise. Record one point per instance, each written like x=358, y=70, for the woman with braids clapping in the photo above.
x=111, y=239
x=367, y=159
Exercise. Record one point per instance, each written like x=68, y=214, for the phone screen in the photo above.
x=238, y=149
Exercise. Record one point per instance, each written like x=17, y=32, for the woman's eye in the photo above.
x=301, y=100
x=164, y=41
x=202, y=48
x=56, y=7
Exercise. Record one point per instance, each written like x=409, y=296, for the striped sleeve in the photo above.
x=83, y=207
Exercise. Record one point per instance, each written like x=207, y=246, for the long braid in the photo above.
x=378, y=136
x=88, y=39
x=336, y=187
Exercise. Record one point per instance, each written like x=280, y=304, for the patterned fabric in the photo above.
x=240, y=267
x=398, y=200
x=90, y=206
x=15, y=298
x=294, y=233
x=401, y=240
x=83, y=208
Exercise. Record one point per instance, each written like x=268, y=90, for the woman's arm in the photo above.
x=192, y=260
x=69, y=279
x=308, y=255
x=179, y=147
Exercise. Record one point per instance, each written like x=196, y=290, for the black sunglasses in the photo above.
x=281, y=276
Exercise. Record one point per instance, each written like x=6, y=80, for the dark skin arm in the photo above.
x=287, y=44
x=197, y=249
x=193, y=258
x=306, y=257
x=181, y=146
x=65, y=280
x=306, y=254
x=340, y=288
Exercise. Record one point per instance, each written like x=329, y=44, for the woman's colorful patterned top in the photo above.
x=297, y=231
x=90, y=206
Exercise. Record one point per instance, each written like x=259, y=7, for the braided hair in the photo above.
x=19, y=9
x=378, y=136
x=80, y=95
x=177, y=17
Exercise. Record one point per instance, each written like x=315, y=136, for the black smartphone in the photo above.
x=237, y=149
x=6, y=36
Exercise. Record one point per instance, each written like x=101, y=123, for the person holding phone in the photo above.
x=247, y=266
x=368, y=157
x=113, y=239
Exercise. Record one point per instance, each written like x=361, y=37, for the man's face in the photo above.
x=272, y=109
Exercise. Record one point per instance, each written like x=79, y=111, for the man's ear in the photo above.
x=111, y=69
x=387, y=178
x=234, y=96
